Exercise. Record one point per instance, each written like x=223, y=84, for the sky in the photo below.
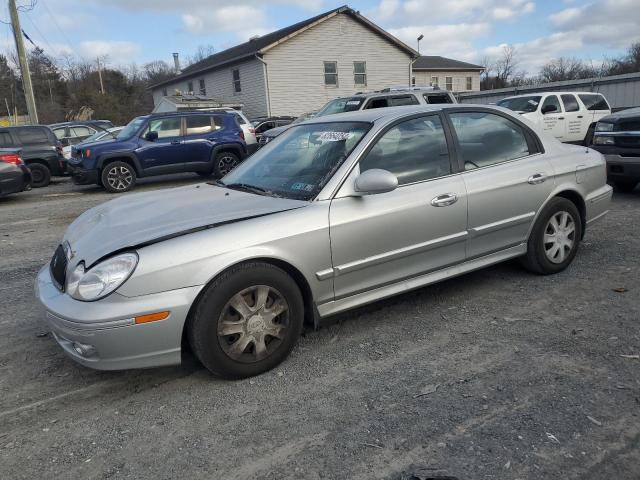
x=139, y=31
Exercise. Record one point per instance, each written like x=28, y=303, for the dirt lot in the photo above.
x=498, y=374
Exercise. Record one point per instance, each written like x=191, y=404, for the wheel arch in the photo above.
x=235, y=148
x=311, y=315
x=574, y=197
x=129, y=159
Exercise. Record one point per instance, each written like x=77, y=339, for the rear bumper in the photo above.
x=15, y=182
x=597, y=204
x=81, y=176
x=103, y=334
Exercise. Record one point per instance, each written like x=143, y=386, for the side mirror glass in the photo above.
x=375, y=181
x=151, y=136
x=549, y=109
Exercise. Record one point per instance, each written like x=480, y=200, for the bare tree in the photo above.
x=202, y=52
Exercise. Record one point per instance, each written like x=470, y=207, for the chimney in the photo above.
x=176, y=62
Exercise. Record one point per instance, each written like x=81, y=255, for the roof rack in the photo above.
x=410, y=88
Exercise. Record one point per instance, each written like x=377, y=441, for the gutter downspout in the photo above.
x=266, y=83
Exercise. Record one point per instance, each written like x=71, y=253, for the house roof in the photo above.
x=259, y=45
x=436, y=62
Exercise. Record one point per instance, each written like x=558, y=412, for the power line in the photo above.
x=61, y=30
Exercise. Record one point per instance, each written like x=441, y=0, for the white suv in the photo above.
x=569, y=116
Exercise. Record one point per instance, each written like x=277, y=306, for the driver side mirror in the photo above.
x=549, y=108
x=374, y=181
x=151, y=136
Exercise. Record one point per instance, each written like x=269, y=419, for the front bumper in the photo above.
x=623, y=163
x=103, y=334
x=81, y=176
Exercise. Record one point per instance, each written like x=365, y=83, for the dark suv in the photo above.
x=41, y=151
x=157, y=144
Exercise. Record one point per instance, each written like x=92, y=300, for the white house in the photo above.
x=446, y=73
x=299, y=68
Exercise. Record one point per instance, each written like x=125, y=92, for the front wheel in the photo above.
x=247, y=321
x=40, y=175
x=118, y=177
x=224, y=163
x=555, y=237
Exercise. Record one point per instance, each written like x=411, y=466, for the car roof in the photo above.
x=190, y=113
x=376, y=114
x=538, y=94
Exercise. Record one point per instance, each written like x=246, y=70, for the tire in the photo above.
x=40, y=175
x=625, y=186
x=588, y=139
x=224, y=163
x=543, y=257
x=246, y=348
x=118, y=177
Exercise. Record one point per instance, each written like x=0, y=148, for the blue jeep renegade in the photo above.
x=157, y=144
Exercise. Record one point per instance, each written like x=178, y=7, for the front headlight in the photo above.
x=603, y=140
x=102, y=279
x=604, y=127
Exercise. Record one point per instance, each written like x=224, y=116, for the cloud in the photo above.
x=455, y=39
x=231, y=18
x=116, y=52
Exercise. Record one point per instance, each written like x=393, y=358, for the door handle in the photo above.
x=444, y=200
x=176, y=142
x=560, y=118
x=537, y=178
x=580, y=116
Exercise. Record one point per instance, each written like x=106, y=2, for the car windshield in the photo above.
x=340, y=105
x=521, y=104
x=298, y=163
x=100, y=135
x=131, y=129
x=303, y=117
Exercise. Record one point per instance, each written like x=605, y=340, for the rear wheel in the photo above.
x=40, y=175
x=555, y=237
x=247, y=321
x=118, y=177
x=224, y=163
x=624, y=186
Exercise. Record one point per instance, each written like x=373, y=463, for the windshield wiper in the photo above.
x=248, y=188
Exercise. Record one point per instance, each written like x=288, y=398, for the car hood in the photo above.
x=136, y=220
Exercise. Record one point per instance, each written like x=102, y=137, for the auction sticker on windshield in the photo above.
x=334, y=136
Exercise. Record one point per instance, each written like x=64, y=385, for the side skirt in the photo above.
x=337, y=306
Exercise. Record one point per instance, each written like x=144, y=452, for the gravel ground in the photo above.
x=499, y=374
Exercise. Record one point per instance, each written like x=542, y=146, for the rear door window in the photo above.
x=594, y=101
x=81, y=131
x=437, y=98
x=400, y=100
x=30, y=136
x=166, y=127
x=570, y=103
x=60, y=133
x=380, y=102
x=199, y=124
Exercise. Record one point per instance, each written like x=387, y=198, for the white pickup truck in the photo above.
x=569, y=116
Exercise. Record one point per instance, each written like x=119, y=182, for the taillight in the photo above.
x=86, y=153
x=11, y=158
x=241, y=134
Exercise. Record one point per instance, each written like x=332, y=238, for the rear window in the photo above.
x=594, y=101
x=401, y=100
x=436, y=98
x=5, y=139
x=29, y=136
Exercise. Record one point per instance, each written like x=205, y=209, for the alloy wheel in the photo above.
x=253, y=324
x=559, y=237
x=119, y=177
x=226, y=163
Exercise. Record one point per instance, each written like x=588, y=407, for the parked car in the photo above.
x=71, y=133
x=388, y=97
x=335, y=213
x=14, y=175
x=108, y=134
x=39, y=149
x=157, y=144
x=268, y=123
x=571, y=117
x=617, y=137
x=247, y=128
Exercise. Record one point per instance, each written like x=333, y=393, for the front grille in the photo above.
x=628, y=141
x=629, y=126
x=58, y=267
x=263, y=140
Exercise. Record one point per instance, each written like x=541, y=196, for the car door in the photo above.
x=78, y=133
x=553, y=121
x=199, y=139
x=506, y=176
x=166, y=153
x=576, y=123
x=416, y=228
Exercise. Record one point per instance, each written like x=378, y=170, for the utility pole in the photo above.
x=100, y=76
x=24, y=64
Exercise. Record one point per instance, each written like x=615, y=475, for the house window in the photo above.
x=448, y=81
x=434, y=81
x=236, y=81
x=331, y=73
x=469, y=83
x=190, y=87
x=360, y=73
x=413, y=81
x=203, y=88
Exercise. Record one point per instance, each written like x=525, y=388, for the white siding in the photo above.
x=219, y=85
x=296, y=66
x=459, y=79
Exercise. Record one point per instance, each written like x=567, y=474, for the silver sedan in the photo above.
x=335, y=213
